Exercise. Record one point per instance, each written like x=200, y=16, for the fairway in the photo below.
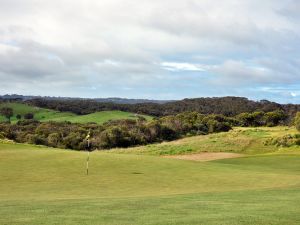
x=41, y=185
x=45, y=115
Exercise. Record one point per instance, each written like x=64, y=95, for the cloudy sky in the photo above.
x=157, y=49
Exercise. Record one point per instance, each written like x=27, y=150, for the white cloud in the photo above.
x=175, y=66
x=293, y=94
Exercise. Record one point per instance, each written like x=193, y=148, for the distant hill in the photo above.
x=228, y=106
x=105, y=100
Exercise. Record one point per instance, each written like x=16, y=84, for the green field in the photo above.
x=44, y=115
x=41, y=185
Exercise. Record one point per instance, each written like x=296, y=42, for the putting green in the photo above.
x=48, y=186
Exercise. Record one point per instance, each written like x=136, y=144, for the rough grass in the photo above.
x=43, y=115
x=41, y=185
x=238, y=140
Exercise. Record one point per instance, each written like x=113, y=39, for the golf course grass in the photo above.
x=44, y=115
x=40, y=185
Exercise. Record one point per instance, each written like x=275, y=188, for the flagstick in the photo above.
x=87, y=163
x=88, y=159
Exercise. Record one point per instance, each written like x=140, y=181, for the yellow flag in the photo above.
x=88, y=136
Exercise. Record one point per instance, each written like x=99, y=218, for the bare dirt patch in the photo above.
x=206, y=156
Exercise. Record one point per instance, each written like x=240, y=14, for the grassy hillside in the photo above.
x=42, y=114
x=238, y=140
x=101, y=117
x=48, y=186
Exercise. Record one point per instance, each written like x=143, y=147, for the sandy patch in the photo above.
x=206, y=156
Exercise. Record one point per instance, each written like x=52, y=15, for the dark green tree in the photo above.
x=7, y=112
x=274, y=118
x=28, y=116
x=53, y=139
x=297, y=121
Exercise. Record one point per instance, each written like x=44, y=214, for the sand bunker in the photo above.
x=206, y=156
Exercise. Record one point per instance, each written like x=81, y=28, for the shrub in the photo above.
x=54, y=139
x=73, y=141
x=284, y=141
x=120, y=133
x=274, y=118
x=2, y=135
x=35, y=139
x=297, y=121
x=7, y=112
x=28, y=116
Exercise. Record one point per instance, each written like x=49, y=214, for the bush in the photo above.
x=118, y=133
x=73, y=141
x=54, y=139
x=2, y=135
x=256, y=119
x=28, y=116
x=297, y=121
x=274, y=118
x=7, y=112
x=284, y=141
x=35, y=139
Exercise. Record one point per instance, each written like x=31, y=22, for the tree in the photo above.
x=53, y=139
x=274, y=118
x=18, y=116
x=28, y=116
x=245, y=119
x=297, y=121
x=7, y=112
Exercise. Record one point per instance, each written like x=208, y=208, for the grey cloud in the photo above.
x=30, y=65
x=262, y=72
x=112, y=45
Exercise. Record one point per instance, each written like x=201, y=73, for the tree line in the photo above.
x=119, y=133
x=126, y=133
x=227, y=106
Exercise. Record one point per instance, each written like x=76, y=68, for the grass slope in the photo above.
x=41, y=185
x=42, y=114
x=101, y=117
x=238, y=140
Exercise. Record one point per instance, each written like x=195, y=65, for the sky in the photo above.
x=155, y=49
